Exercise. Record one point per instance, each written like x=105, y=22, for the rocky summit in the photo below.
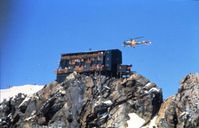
x=92, y=101
x=182, y=110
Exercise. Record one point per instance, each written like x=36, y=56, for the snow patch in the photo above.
x=13, y=91
x=25, y=100
x=138, y=122
x=135, y=121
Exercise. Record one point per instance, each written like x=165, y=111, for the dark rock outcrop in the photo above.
x=10, y=111
x=84, y=101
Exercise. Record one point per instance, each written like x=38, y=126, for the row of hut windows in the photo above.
x=84, y=61
x=95, y=67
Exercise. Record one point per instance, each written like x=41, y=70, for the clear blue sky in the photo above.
x=33, y=34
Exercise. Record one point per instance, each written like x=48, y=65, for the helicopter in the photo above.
x=133, y=42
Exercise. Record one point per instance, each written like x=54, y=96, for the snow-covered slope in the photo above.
x=26, y=89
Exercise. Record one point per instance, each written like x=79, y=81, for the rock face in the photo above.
x=87, y=102
x=83, y=101
x=182, y=110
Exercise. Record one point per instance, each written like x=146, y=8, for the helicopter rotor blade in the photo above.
x=138, y=37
